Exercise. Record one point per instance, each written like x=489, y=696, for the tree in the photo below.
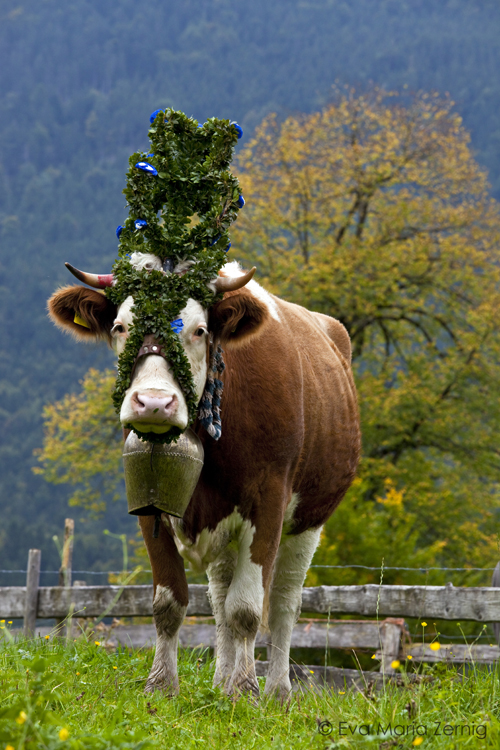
x=82, y=443
x=374, y=211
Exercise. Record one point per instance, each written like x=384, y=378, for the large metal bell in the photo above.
x=161, y=478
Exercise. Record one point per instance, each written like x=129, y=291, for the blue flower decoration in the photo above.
x=147, y=168
x=238, y=129
x=119, y=230
x=177, y=325
x=140, y=224
x=153, y=115
x=241, y=201
x=227, y=248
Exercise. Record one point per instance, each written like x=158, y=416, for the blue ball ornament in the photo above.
x=140, y=224
x=119, y=230
x=147, y=168
x=241, y=201
x=238, y=129
x=227, y=248
x=152, y=116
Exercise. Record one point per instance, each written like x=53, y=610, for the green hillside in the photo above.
x=77, y=84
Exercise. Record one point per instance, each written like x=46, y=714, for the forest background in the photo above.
x=77, y=84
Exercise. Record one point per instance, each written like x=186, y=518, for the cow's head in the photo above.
x=154, y=402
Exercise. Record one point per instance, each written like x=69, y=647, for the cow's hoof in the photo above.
x=220, y=682
x=169, y=688
x=280, y=690
x=246, y=686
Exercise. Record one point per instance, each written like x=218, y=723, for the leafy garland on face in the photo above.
x=185, y=174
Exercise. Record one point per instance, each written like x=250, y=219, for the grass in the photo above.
x=81, y=696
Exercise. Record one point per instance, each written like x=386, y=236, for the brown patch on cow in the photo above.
x=166, y=563
x=238, y=318
x=89, y=304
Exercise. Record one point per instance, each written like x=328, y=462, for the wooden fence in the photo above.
x=386, y=637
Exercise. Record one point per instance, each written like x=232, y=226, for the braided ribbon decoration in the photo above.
x=209, y=413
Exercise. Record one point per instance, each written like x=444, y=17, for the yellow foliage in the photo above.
x=393, y=497
x=82, y=443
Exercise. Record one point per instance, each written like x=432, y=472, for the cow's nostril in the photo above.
x=153, y=406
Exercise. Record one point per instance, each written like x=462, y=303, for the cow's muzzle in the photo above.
x=152, y=407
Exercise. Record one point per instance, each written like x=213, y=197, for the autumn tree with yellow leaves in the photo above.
x=374, y=211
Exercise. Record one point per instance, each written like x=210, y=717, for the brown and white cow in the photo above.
x=289, y=449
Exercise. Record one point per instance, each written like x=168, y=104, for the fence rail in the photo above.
x=480, y=604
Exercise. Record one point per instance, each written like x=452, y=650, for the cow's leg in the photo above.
x=257, y=548
x=292, y=561
x=220, y=575
x=169, y=605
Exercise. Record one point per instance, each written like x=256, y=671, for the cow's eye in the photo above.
x=200, y=331
x=117, y=328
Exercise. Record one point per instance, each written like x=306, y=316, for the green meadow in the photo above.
x=83, y=696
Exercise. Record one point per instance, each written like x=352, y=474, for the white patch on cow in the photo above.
x=168, y=614
x=243, y=610
x=234, y=269
x=292, y=562
x=246, y=591
x=153, y=377
x=145, y=260
x=208, y=545
x=220, y=575
x=153, y=263
x=124, y=318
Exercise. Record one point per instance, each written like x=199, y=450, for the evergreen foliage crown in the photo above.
x=182, y=199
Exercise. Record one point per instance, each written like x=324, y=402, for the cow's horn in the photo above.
x=231, y=283
x=92, y=279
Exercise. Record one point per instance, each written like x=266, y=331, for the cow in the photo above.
x=288, y=453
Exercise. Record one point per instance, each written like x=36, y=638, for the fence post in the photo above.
x=495, y=582
x=390, y=642
x=32, y=584
x=80, y=622
x=65, y=571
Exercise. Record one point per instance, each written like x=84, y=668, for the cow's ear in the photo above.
x=237, y=318
x=86, y=314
